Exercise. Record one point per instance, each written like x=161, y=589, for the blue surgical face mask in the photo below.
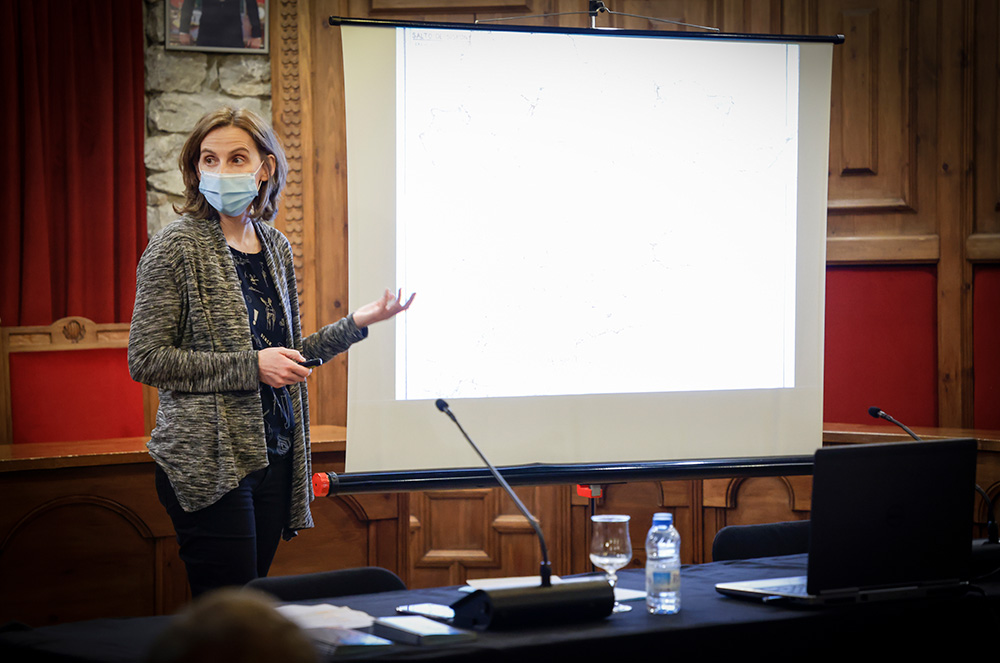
x=230, y=193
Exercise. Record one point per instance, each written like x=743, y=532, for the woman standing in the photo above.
x=216, y=329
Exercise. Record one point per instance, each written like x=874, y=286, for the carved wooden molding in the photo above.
x=869, y=206
x=463, y=556
x=724, y=493
x=126, y=514
x=356, y=508
x=71, y=333
x=287, y=121
x=512, y=524
x=983, y=247
x=896, y=248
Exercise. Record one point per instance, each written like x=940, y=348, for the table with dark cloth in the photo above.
x=708, y=627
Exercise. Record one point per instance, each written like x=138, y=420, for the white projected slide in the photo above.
x=617, y=245
x=609, y=208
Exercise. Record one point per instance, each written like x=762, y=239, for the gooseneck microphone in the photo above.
x=512, y=607
x=546, y=568
x=879, y=414
x=545, y=571
x=992, y=530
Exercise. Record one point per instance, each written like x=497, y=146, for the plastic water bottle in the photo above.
x=663, y=566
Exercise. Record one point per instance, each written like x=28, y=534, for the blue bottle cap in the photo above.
x=663, y=518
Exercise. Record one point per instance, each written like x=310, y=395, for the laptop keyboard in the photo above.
x=795, y=589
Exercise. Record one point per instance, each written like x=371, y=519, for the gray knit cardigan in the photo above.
x=190, y=338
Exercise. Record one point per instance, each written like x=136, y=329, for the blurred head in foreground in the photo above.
x=232, y=625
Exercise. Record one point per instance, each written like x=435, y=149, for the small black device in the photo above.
x=311, y=363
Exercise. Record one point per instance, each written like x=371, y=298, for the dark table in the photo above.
x=709, y=627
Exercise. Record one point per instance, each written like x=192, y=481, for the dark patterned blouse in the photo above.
x=267, y=327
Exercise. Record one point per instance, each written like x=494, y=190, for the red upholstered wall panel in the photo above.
x=986, y=346
x=881, y=344
x=74, y=395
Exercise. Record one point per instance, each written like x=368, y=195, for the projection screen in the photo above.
x=617, y=243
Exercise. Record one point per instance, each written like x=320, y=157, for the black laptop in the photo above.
x=889, y=521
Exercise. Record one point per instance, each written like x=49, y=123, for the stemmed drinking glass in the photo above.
x=611, y=549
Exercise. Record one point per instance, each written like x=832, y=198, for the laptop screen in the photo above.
x=893, y=514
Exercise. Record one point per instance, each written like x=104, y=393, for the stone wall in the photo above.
x=181, y=86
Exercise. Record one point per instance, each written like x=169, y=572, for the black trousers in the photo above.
x=232, y=541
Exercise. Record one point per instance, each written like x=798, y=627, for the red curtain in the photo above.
x=74, y=200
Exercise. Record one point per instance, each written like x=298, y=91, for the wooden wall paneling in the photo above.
x=327, y=165
x=859, y=113
x=698, y=13
x=752, y=500
x=171, y=587
x=520, y=553
x=800, y=18
x=447, y=6
x=467, y=11
x=453, y=533
x=736, y=16
x=986, y=348
x=983, y=247
x=308, y=114
x=875, y=165
x=756, y=17
x=6, y=415
x=82, y=543
x=578, y=532
x=542, y=12
x=984, y=241
x=350, y=530
x=885, y=184
x=458, y=535
x=109, y=556
x=952, y=34
x=570, y=19
x=388, y=532
x=641, y=500
x=348, y=533
x=356, y=8
x=289, y=91
x=83, y=535
x=553, y=506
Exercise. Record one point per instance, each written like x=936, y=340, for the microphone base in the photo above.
x=517, y=607
x=985, y=557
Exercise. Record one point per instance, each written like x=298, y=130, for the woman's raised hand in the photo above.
x=382, y=309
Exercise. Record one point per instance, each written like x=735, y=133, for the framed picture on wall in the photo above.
x=225, y=26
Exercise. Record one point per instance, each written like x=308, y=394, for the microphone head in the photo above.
x=875, y=412
x=441, y=405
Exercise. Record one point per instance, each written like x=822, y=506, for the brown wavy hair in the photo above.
x=265, y=206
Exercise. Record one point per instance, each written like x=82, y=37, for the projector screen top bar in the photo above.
x=675, y=34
